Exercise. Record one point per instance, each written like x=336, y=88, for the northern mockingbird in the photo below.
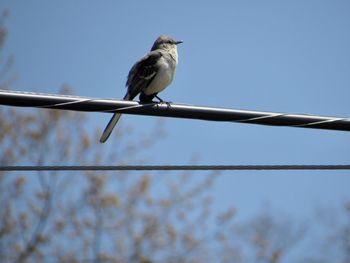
x=149, y=76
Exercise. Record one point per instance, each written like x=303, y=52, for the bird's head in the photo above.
x=165, y=42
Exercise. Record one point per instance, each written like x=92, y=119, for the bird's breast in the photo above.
x=164, y=76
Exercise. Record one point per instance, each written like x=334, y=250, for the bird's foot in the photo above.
x=162, y=101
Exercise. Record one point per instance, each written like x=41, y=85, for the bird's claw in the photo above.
x=162, y=101
x=168, y=103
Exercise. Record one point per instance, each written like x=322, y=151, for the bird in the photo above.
x=149, y=76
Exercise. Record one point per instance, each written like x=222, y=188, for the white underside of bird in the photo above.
x=163, y=77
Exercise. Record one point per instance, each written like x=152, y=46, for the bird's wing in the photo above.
x=142, y=73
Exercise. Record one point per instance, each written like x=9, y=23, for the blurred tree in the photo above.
x=269, y=238
x=334, y=243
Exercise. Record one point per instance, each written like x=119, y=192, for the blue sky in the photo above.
x=279, y=56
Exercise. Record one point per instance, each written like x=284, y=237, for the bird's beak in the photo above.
x=179, y=42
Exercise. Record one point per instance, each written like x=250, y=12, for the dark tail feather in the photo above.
x=111, y=124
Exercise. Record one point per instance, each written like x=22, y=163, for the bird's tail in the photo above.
x=111, y=124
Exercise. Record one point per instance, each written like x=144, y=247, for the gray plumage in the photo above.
x=149, y=76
